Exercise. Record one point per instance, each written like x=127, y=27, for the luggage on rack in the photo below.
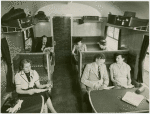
x=13, y=14
x=127, y=21
x=41, y=16
x=16, y=18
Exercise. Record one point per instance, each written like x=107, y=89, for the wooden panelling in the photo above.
x=42, y=28
x=87, y=39
x=93, y=47
x=132, y=39
x=87, y=29
x=88, y=57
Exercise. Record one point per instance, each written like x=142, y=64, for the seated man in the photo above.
x=46, y=47
x=42, y=44
x=95, y=75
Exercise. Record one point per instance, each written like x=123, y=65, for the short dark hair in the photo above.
x=78, y=39
x=99, y=56
x=44, y=36
x=22, y=62
x=122, y=55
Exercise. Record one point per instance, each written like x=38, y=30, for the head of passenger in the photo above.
x=100, y=59
x=25, y=65
x=119, y=58
x=78, y=41
x=103, y=44
x=44, y=39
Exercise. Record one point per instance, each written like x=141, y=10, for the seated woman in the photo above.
x=120, y=72
x=78, y=47
x=25, y=82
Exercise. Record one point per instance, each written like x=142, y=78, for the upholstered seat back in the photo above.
x=38, y=64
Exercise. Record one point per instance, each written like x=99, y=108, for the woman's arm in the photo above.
x=129, y=78
x=85, y=48
x=112, y=76
x=21, y=91
x=73, y=50
x=38, y=85
x=37, y=82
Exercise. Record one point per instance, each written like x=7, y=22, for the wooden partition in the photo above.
x=92, y=42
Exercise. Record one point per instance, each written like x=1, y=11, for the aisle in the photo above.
x=64, y=97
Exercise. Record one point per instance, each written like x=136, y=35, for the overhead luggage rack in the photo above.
x=7, y=29
x=140, y=28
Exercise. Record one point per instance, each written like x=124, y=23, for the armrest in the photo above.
x=5, y=97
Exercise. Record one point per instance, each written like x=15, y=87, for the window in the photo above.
x=146, y=69
x=112, y=38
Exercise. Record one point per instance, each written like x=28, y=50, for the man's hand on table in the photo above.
x=98, y=85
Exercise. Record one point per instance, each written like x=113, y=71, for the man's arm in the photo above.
x=85, y=77
x=105, y=77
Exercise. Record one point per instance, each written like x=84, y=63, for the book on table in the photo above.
x=132, y=98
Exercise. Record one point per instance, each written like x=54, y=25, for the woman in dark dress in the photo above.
x=25, y=82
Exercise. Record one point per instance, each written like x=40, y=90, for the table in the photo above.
x=106, y=101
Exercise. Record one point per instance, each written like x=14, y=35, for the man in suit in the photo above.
x=42, y=44
x=95, y=75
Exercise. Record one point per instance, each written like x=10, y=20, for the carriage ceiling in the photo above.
x=141, y=7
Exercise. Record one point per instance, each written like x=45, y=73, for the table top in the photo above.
x=105, y=101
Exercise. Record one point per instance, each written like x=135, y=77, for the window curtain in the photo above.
x=6, y=55
x=142, y=57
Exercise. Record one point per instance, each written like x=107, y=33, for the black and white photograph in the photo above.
x=74, y=56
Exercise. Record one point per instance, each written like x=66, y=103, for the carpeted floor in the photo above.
x=65, y=96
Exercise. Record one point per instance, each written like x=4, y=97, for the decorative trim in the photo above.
x=91, y=101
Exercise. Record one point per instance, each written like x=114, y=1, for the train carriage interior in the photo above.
x=60, y=40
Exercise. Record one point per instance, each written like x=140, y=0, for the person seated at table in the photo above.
x=27, y=79
x=120, y=72
x=95, y=75
x=78, y=47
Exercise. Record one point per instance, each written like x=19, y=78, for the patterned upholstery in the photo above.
x=37, y=64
